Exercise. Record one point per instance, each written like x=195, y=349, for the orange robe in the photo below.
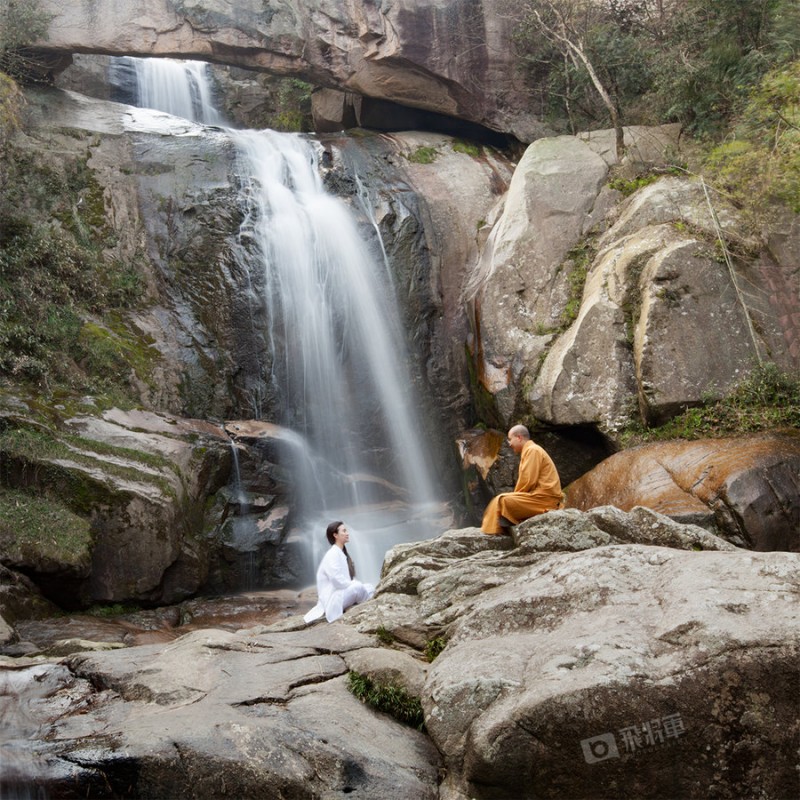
x=538, y=490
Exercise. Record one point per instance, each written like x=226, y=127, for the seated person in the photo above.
x=337, y=588
x=538, y=486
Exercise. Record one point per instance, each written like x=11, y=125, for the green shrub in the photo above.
x=21, y=23
x=54, y=277
x=384, y=636
x=767, y=399
x=433, y=647
x=387, y=698
x=759, y=164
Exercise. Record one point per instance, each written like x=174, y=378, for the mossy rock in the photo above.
x=42, y=534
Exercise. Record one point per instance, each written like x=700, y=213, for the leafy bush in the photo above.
x=767, y=399
x=759, y=164
x=385, y=636
x=694, y=62
x=54, y=277
x=434, y=647
x=21, y=23
x=387, y=698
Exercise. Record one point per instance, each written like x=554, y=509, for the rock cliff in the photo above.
x=446, y=56
x=588, y=310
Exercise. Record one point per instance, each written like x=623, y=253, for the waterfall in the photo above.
x=246, y=539
x=338, y=354
x=180, y=88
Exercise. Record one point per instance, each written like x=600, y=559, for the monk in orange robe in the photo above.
x=538, y=486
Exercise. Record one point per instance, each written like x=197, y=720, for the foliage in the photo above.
x=759, y=164
x=627, y=186
x=22, y=22
x=576, y=35
x=54, y=276
x=113, y=610
x=384, y=635
x=578, y=261
x=387, y=698
x=433, y=647
x=41, y=524
x=293, y=112
x=694, y=62
x=715, y=52
x=11, y=104
x=768, y=398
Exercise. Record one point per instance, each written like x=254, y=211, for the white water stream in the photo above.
x=180, y=88
x=338, y=348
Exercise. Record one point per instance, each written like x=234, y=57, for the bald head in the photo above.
x=517, y=437
x=520, y=430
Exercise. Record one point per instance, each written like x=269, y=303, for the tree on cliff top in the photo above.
x=566, y=26
x=650, y=61
x=22, y=22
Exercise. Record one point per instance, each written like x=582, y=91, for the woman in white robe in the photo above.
x=337, y=588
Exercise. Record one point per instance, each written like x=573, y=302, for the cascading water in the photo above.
x=180, y=88
x=338, y=350
x=338, y=355
x=245, y=533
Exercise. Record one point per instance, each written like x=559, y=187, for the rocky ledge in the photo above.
x=590, y=655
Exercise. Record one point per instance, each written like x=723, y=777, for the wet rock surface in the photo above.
x=587, y=653
x=135, y=484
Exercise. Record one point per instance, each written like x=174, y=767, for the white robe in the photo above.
x=336, y=590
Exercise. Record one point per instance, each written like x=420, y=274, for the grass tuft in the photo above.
x=387, y=698
x=767, y=399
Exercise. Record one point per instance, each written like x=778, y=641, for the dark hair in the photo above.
x=329, y=532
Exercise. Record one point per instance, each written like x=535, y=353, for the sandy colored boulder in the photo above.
x=745, y=488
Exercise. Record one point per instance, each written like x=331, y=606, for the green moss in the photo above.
x=423, y=155
x=469, y=148
x=38, y=528
x=114, y=610
x=112, y=350
x=387, y=698
x=44, y=457
x=627, y=186
x=578, y=262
